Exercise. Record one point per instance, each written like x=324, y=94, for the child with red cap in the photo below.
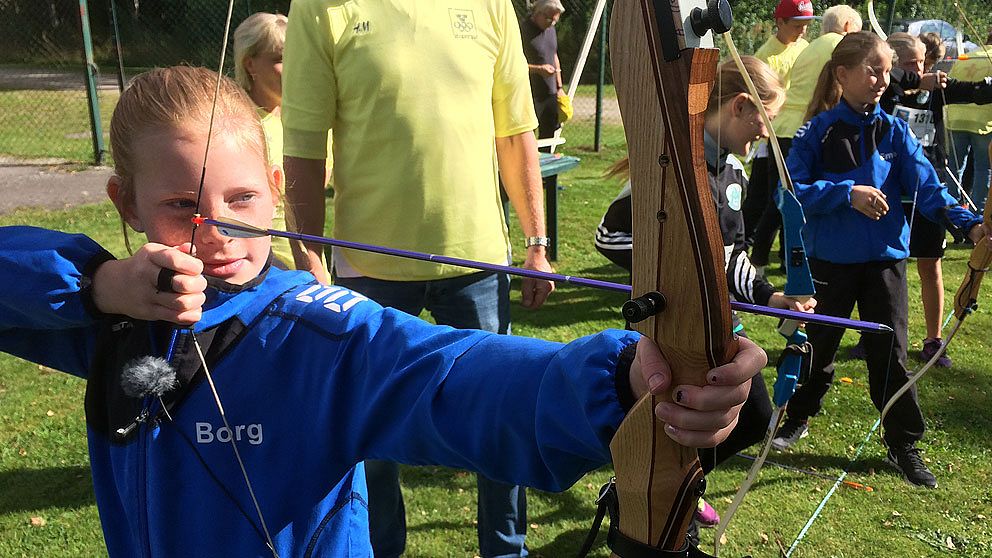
x=781, y=49
x=780, y=52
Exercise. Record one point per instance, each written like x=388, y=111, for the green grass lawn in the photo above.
x=47, y=506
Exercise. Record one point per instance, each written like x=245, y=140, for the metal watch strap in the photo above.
x=537, y=241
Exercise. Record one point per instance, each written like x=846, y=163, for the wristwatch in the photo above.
x=537, y=241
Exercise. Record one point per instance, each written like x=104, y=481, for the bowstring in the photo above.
x=196, y=344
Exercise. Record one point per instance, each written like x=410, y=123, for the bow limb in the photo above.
x=965, y=302
x=875, y=25
x=663, y=80
x=799, y=285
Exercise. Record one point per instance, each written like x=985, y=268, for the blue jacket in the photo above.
x=841, y=148
x=314, y=380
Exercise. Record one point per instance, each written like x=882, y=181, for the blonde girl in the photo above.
x=313, y=379
x=849, y=164
x=258, y=47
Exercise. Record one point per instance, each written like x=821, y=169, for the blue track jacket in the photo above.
x=314, y=380
x=841, y=148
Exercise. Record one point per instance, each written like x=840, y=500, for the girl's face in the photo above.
x=864, y=84
x=266, y=76
x=912, y=60
x=745, y=126
x=237, y=186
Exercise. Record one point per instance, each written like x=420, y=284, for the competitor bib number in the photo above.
x=920, y=122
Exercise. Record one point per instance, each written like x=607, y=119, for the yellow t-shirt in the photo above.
x=802, y=81
x=414, y=93
x=272, y=127
x=971, y=117
x=781, y=57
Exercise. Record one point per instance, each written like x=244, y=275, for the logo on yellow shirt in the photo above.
x=463, y=23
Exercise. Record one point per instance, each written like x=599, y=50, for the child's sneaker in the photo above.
x=930, y=348
x=706, y=516
x=792, y=431
x=906, y=458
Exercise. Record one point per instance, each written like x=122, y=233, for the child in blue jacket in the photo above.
x=848, y=163
x=314, y=379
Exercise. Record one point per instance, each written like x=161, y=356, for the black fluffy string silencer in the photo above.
x=148, y=376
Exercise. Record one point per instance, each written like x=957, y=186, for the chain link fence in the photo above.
x=44, y=108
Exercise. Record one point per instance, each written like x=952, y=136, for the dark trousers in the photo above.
x=879, y=289
x=757, y=197
x=762, y=219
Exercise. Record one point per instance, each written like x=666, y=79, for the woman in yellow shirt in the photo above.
x=258, y=46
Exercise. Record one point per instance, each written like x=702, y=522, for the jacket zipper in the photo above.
x=145, y=431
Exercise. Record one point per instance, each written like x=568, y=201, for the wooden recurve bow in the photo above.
x=664, y=68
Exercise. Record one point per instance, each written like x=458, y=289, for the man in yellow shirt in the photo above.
x=426, y=101
x=971, y=125
x=837, y=22
x=780, y=51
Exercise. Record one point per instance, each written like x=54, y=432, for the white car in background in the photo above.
x=951, y=36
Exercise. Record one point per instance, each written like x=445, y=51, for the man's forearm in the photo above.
x=520, y=170
x=305, y=205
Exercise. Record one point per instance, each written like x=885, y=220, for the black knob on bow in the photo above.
x=717, y=16
x=643, y=307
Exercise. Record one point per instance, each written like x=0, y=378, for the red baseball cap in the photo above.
x=794, y=9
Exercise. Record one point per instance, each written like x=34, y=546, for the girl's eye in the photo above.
x=244, y=198
x=182, y=204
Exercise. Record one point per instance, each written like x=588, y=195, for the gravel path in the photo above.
x=44, y=184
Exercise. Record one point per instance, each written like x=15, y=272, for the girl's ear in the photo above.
x=740, y=102
x=277, y=185
x=123, y=202
x=841, y=74
x=277, y=181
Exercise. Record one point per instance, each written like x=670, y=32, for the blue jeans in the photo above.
x=979, y=145
x=476, y=301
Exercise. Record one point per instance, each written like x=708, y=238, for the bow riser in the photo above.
x=678, y=252
x=980, y=260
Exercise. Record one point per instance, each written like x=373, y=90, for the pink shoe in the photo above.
x=706, y=516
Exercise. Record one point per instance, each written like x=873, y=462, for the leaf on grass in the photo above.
x=896, y=514
x=50, y=413
x=38, y=521
x=763, y=537
x=723, y=538
x=847, y=380
x=949, y=543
